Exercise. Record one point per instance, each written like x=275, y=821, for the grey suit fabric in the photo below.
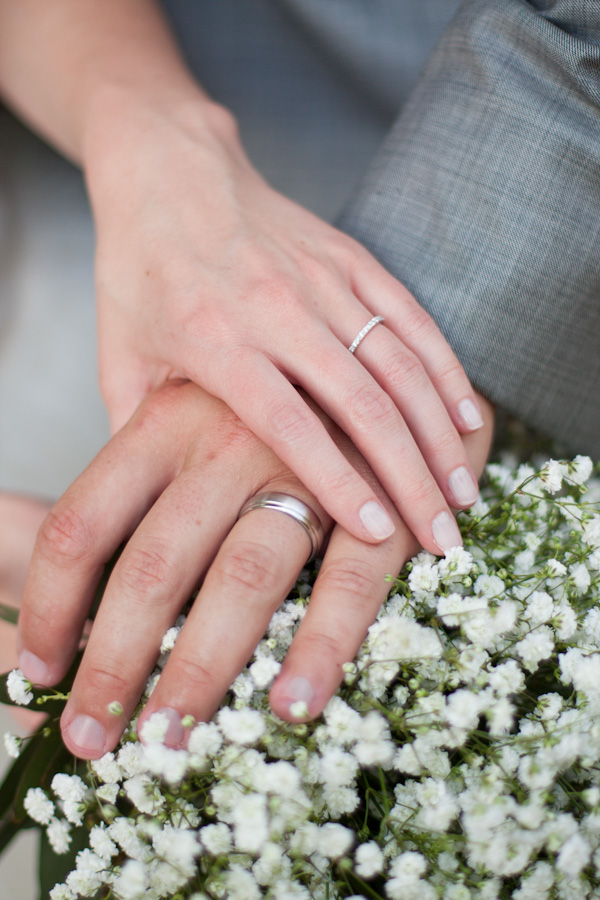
x=484, y=197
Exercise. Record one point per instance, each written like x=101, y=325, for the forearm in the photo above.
x=66, y=64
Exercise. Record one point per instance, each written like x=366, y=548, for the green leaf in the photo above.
x=51, y=757
x=54, y=868
x=9, y=613
x=8, y=788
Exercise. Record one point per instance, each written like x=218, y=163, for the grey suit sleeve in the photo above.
x=485, y=202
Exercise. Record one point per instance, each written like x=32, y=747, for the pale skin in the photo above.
x=205, y=272
x=181, y=508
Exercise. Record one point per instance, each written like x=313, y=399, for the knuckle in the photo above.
x=404, y=369
x=289, y=422
x=143, y=570
x=327, y=646
x=450, y=370
x=420, y=489
x=106, y=682
x=65, y=536
x=371, y=407
x=248, y=566
x=351, y=577
x=417, y=324
x=341, y=483
x=189, y=671
x=446, y=443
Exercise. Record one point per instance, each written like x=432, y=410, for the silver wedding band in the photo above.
x=364, y=332
x=292, y=507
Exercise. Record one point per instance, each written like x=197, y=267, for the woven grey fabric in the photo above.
x=485, y=202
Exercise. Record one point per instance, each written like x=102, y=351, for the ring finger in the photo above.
x=251, y=575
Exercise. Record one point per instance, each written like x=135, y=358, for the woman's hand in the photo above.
x=205, y=272
x=172, y=483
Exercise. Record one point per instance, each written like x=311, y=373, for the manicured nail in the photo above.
x=470, y=414
x=87, y=734
x=445, y=531
x=299, y=692
x=376, y=520
x=174, y=733
x=34, y=668
x=463, y=486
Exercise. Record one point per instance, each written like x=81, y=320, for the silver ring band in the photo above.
x=364, y=332
x=291, y=506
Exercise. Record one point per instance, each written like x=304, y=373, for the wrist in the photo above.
x=118, y=117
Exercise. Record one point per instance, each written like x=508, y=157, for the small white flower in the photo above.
x=280, y=778
x=374, y=753
x=591, y=531
x=369, y=860
x=264, y=671
x=108, y=793
x=169, y=639
x=337, y=768
x=456, y=563
x=586, y=675
x=240, y=885
x=106, y=768
x=556, y=569
x=408, y=866
x=580, y=469
x=132, y=882
x=341, y=721
x=154, y=730
x=62, y=892
x=216, y=839
x=205, y=740
x=579, y=577
x=144, y=794
x=424, y=579
x=536, y=646
x=524, y=561
x=489, y=585
x=334, y=840
x=85, y=883
x=69, y=787
x=565, y=621
x=38, y=806
x=179, y=846
x=463, y=709
x=539, y=608
x=12, y=744
x=574, y=856
x=552, y=474
x=130, y=759
x=101, y=843
x=58, y=832
x=241, y=726
x=19, y=688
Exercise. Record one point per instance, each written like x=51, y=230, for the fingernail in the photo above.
x=376, y=520
x=445, y=531
x=470, y=414
x=174, y=733
x=87, y=734
x=299, y=691
x=463, y=486
x=34, y=668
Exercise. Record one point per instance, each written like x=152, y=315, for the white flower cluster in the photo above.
x=460, y=759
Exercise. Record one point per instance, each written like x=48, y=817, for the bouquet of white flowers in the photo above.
x=460, y=759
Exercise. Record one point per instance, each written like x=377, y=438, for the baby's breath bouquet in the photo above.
x=460, y=759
